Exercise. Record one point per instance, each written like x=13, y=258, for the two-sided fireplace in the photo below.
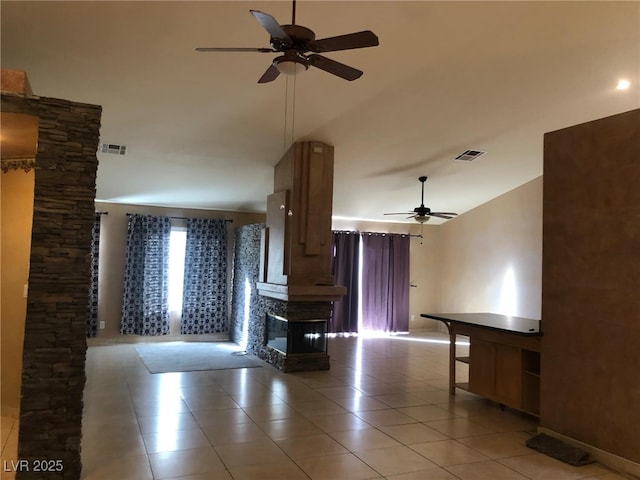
x=301, y=343
x=289, y=337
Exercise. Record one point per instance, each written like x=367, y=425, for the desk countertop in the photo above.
x=493, y=321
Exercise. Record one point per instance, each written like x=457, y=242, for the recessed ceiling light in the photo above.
x=623, y=84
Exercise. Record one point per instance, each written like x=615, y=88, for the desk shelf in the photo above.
x=463, y=386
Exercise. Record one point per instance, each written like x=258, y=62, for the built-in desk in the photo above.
x=504, y=357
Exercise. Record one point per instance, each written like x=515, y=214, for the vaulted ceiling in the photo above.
x=448, y=76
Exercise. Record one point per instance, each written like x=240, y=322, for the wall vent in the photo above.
x=469, y=155
x=113, y=149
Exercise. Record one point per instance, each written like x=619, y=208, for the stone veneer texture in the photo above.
x=245, y=300
x=248, y=309
x=53, y=375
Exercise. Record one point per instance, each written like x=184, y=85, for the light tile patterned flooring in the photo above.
x=382, y=411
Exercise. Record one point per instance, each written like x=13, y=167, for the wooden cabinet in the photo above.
x=482, y=368
x=503, y=367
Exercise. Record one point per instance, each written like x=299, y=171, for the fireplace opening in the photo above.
x=296, y=337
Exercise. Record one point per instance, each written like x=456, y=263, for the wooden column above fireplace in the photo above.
x=297, y=246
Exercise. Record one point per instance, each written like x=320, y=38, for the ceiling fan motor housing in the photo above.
x=301, y=39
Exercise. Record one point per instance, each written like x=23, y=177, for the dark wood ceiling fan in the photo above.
x=421, y=214
x=295, y=42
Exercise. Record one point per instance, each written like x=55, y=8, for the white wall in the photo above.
x=491, y=257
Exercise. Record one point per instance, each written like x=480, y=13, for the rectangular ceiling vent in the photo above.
x=469, y=155
x=113, y=149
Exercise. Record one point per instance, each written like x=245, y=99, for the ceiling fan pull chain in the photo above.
x=286, y=113
x=293, y=110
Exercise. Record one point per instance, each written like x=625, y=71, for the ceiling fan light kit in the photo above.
x=295, y=41
x=289, y=64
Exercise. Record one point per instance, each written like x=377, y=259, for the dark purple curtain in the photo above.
x=385, y=282
x=345, y=272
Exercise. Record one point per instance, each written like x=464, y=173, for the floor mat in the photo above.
x=559, y=450
x=193, y=356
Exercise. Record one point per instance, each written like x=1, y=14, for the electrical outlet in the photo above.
x=25, y=290
x=101, y=324
x=413, y=318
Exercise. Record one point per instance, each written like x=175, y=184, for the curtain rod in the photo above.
x=198, y=218
x=102, y=213
x=183, y=218
x=378, y=233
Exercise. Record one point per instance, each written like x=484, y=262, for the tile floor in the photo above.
x=382, y=411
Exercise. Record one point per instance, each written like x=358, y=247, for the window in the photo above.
x=177, y=243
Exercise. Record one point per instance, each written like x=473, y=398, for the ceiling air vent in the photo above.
x=469, y=155
x=113, y=149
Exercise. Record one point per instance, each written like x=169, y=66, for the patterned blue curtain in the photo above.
x=204, y=302
x=92, y=317
x=145, y=306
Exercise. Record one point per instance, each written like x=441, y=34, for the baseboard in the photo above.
x=210, y=337
x=611, y=460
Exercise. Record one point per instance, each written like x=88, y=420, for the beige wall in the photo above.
x=462, y=265
x=16, y=219
x=487, y=260
x=491, y=257
x=113, y=240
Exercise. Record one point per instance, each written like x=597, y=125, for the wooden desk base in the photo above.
x=503, y=366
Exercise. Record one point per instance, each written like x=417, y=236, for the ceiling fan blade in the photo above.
x=349, y=41
x=232, y=49
x=270, y=74
x=447, y=216
x=271, y=25
x=336, y=68
x=401, y=213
